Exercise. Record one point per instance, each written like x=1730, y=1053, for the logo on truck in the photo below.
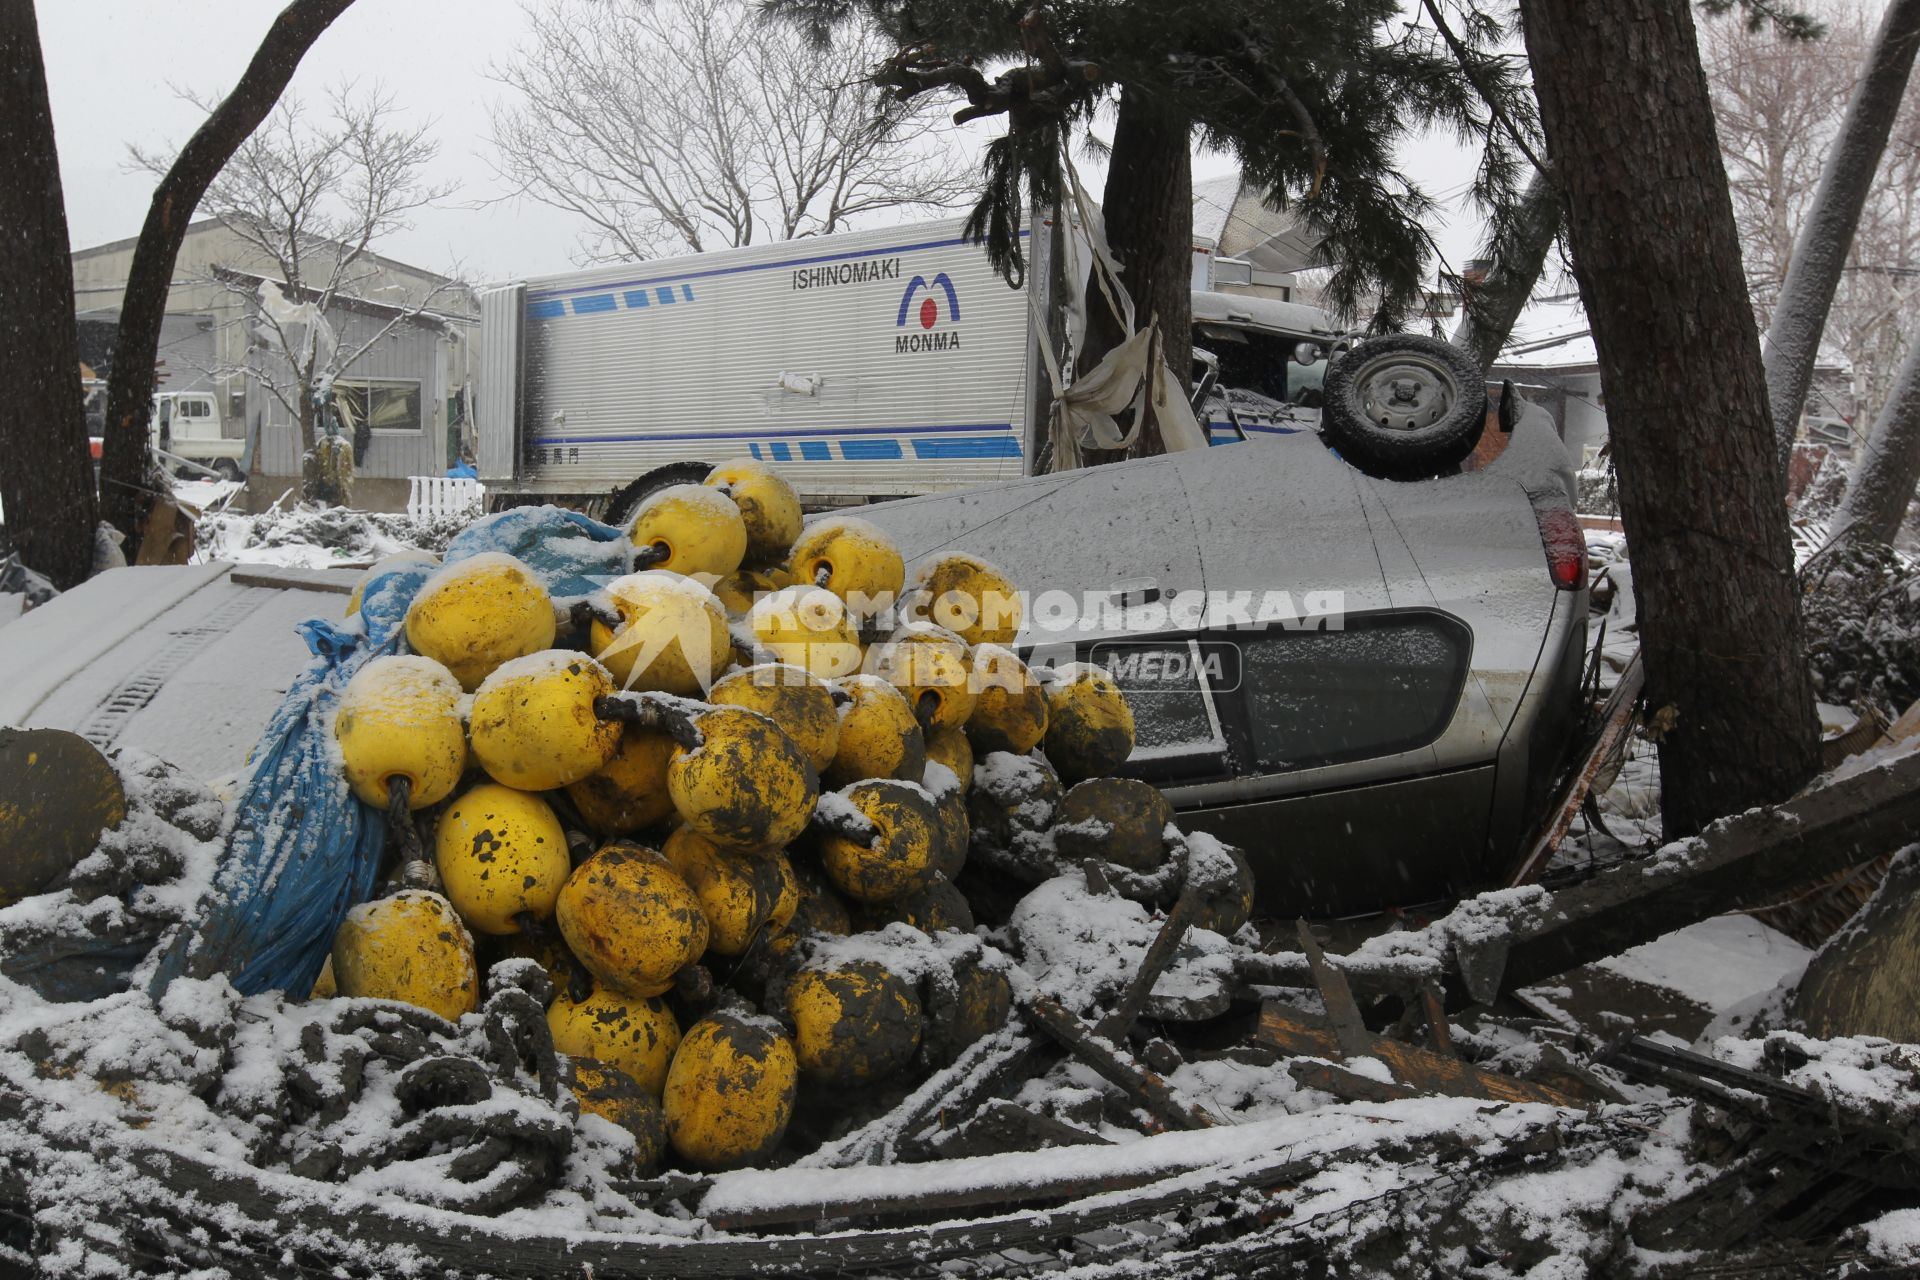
x=928, y=294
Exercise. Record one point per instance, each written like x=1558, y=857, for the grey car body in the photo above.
x=1380, y=749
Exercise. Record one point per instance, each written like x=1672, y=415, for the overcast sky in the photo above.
x=113, y=66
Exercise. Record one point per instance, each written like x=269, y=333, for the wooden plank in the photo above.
x=287, y=578
x=1301, y=1035
x=1349, y=1029
x=1114, y=1064
x=1746, y=860
x=1616, y=725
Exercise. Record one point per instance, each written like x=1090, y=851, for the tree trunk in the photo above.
x=1519, y=253
x=124, y=465
x=1148, y=206
x=1630, y=135
x=1820, y=253
x=46, y=475
x=1883, y=480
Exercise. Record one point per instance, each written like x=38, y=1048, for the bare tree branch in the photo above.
x=682, y=125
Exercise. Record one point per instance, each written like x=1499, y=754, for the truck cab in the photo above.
x=1259, y=364
x=188, y=424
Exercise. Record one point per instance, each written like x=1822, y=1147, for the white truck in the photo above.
x=188, y=424
x=866, y=364
x=876, y=364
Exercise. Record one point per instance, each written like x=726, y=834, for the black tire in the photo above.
x=230, y=469
x=626, y=500
x=1404, y=407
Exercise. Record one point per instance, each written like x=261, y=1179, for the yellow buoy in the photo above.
x=695, y=529
x=502, y=857
x=969, y=597
x=533, y=724
x=797, y=701
x=897, y=858
x=950, y=749
x=1089, y=724
x=613, y=1095
x=1121, y=820
x=631, y=920
x=410, y=947
x=738, y=590
x=932, y=669
x=672, y=636
x=738, y=892
x=479, y=612
x=853, y=559
x=629, y=792
x=768, y=505
x=809, y=628
x=636, y=1035
x=852, y=1023
x=1009, y=706
x=399, y=717
x=747, y=786
x=730, y=1091
x=879, y=737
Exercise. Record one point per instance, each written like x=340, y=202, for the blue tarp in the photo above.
x=302, y=850
x=573, y=554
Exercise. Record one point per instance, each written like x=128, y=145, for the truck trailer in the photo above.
x=867, y=365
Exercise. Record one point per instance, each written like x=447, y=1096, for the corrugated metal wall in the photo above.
x=412, y=352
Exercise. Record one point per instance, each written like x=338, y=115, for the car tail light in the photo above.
x=1565, y=541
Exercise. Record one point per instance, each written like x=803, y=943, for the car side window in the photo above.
x=1373, y=688
x=1171, y=684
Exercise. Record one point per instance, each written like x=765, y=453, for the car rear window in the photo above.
x=1375, y=688
x=1228, y=703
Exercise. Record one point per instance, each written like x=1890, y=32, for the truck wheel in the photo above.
x=229, y=469
x=626, y=500
x=1404, y=407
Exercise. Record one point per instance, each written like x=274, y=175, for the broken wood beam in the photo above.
x=1616, y=725
x=1166, y=943
x=1348, y=1086
x=1748, y=859
x=1300, y=1035
x=1116, y=1065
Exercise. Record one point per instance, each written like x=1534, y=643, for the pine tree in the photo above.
x=1314, y=99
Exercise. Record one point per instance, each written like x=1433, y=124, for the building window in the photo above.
x=389, y=406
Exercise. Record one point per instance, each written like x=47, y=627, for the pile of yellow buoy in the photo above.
x=643, y=812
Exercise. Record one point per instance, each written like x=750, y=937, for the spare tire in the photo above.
x=624, y=503
x=1404, y=407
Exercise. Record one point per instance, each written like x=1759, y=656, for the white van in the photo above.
x=188, y=424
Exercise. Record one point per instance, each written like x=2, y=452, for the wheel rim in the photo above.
x=1406, y=391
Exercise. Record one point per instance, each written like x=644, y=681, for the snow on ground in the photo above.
x=1719, y=963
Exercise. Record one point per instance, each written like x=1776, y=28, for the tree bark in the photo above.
x=1519, y=252
x=124, y=464
x=1148, y=206
x=1820, y=252
x=46, y=475
x=1630, y=136
x=1881, y=486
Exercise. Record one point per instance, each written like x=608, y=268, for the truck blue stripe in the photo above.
x=761, y=433
x=756, y=266
x=973, y=447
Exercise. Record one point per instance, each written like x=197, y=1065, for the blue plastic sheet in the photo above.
x=574, y=555
x=301, y=849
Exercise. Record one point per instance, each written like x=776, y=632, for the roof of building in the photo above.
x=204, y=225
x=1552, y=332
